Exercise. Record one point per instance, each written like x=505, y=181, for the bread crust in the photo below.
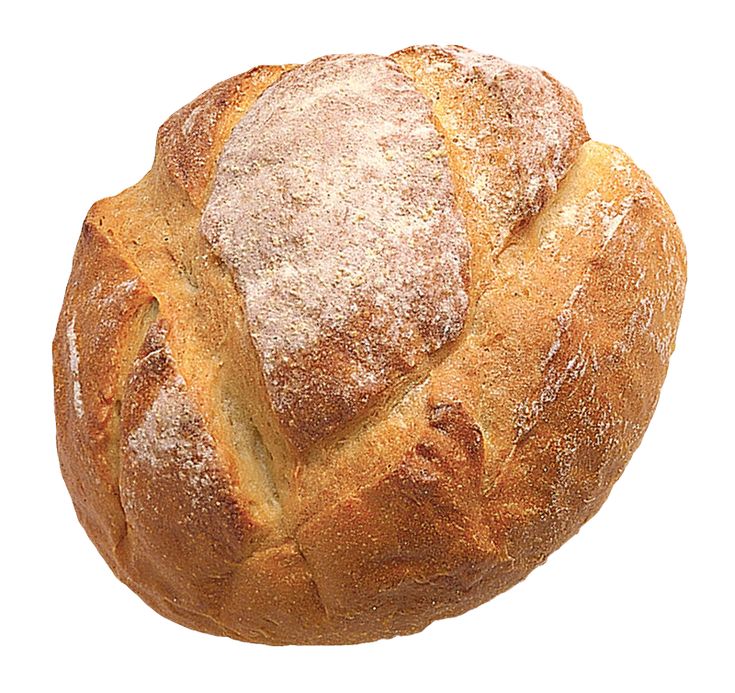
x=462, y=475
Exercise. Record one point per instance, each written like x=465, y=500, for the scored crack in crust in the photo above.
x=477, y=306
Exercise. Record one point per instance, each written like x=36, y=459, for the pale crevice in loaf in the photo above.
x=248, y=443
x=347, y=248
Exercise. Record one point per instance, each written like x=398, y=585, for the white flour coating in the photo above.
x=120, y=291
x=593, y=215
x=639, y=322
x=529, y=140
x=542, y=127
x=171, y=440
x=600, y=218
x=188, y=125
x=593, y=210
x=71, y=338
x=333, y=206
x=556, y=375
x=563, y=321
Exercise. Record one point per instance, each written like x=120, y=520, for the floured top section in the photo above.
x=332, y=205
x=514, y=132
x=541, y=125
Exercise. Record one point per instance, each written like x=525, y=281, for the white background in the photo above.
x=640, y=600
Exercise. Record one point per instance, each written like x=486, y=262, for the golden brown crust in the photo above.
x=177, y=489
x=106, y=311
x=415, y=523
x=463, y=476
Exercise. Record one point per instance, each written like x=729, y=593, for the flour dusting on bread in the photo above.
x=333, y=206
x=71, y=339
x=513, y=133
x=542, y=119
x=163, y=438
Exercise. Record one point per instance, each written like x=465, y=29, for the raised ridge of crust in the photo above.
x=346, y=246
x=511, y=132
x=107, y=309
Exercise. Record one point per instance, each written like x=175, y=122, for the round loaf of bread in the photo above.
x=373, y=337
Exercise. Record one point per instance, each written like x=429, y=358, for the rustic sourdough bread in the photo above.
x=372, y=338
